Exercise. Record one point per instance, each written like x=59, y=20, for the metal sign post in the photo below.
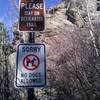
x=31, y=95
x=30, y=91
x=31, y=65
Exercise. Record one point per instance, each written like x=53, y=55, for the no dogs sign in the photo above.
x=31, y=65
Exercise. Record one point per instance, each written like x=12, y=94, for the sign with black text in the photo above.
x=31, y=17
x=31, y=65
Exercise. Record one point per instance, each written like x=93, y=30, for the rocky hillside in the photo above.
x=72, y=67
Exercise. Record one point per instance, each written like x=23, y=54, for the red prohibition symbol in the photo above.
x=31, y=62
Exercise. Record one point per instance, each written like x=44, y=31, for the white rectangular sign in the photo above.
x=30, y=65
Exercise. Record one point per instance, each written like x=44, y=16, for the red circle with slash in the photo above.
x=31, y=62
